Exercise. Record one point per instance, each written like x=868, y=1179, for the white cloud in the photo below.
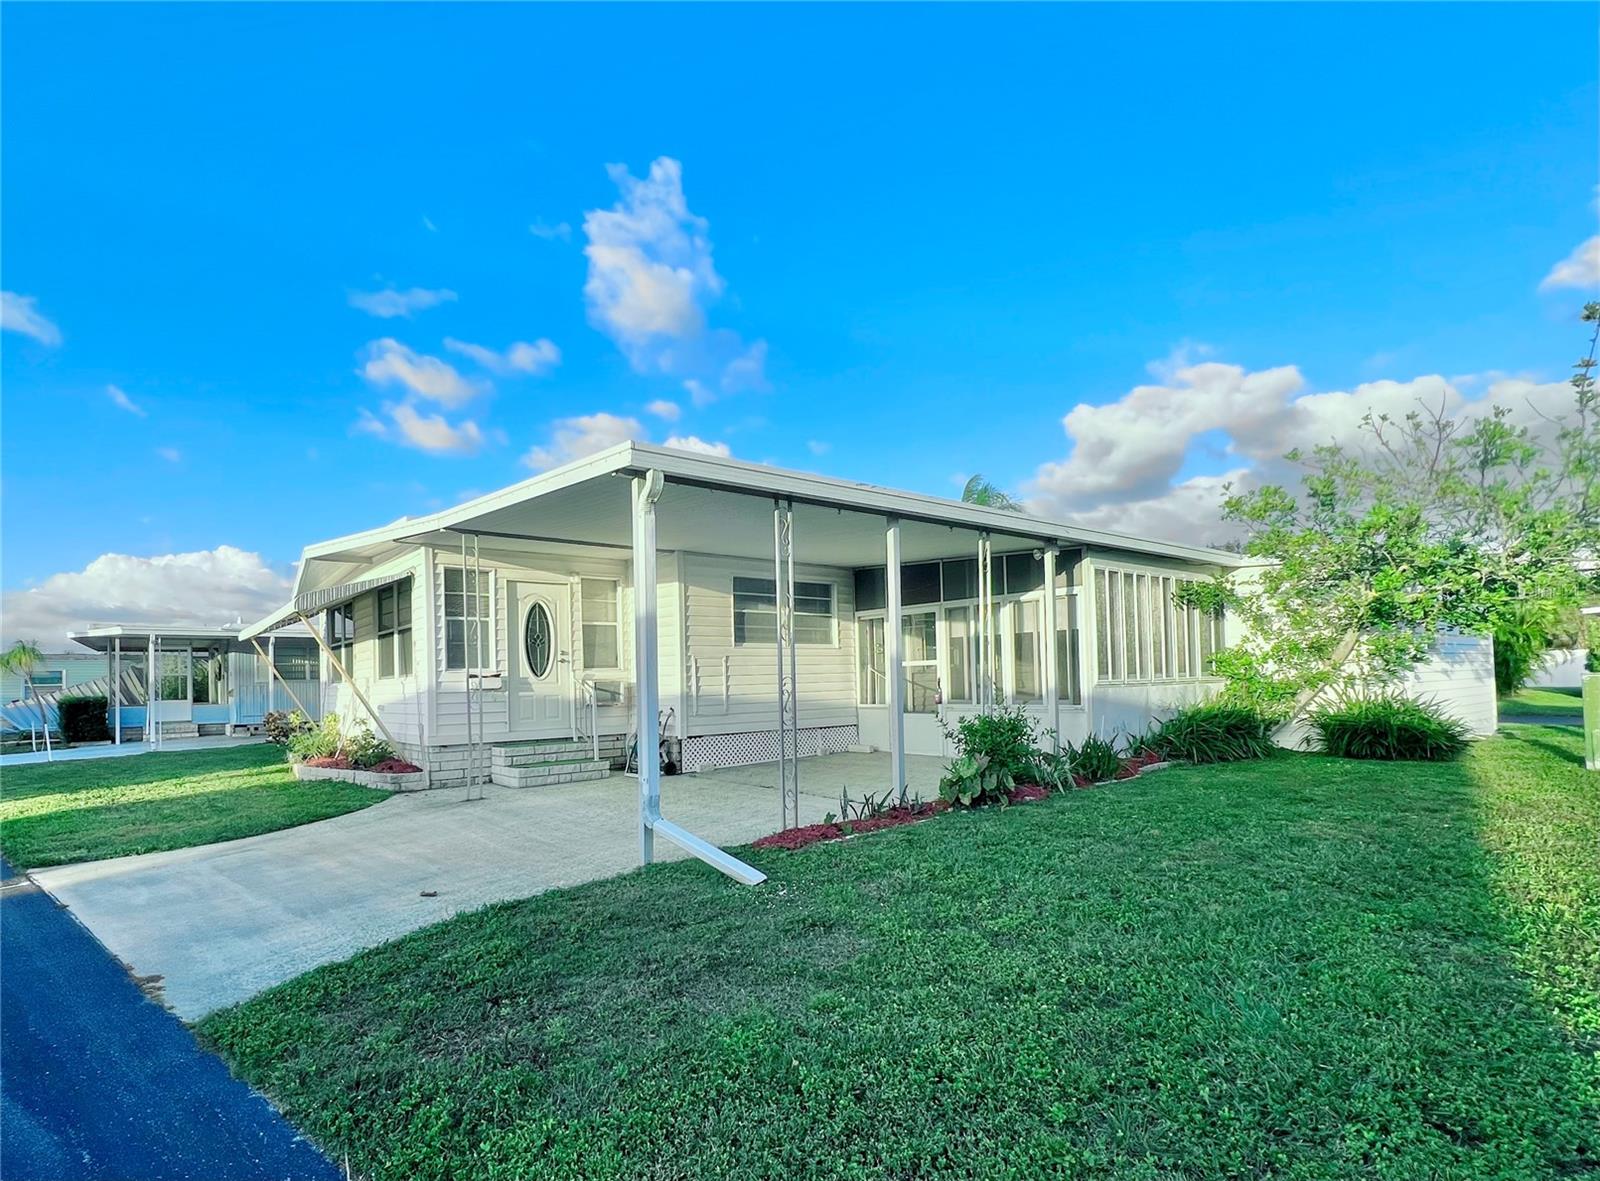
x=170, y=454
x=390, y=303
x=574, y=438
x=818, y=447
x=1581, y=268
x=210, y=587
x=698, y=445
x=388, y=362
x=665, y=410
x=540, y=229
x=1126, y=465
x=20, y=313
x=433, y=433
x=698, y=394
x=119, y=398
x=651, y=280
x=539, y=357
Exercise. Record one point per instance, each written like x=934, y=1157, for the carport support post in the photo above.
x=1052, y=691
x=894, y=654
x=116, y=688
x=788, y=708
x=646, y=656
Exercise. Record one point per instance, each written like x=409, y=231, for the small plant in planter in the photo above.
x=971, y=780
x=1005, y=737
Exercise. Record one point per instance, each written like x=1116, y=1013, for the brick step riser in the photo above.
x=521, y=778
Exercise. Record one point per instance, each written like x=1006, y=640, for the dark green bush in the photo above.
x=1213, y=732
x=1006, y=738
x=1096, y=760
x=83, y=719
x=971, y=780
x=1389, y=726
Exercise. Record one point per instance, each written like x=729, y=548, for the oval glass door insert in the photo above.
x=537, y=637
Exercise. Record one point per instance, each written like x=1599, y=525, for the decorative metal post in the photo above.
x=1049, y=668
x=788, y=705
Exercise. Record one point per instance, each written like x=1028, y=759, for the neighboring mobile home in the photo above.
x=513, y=618
x=207, y=680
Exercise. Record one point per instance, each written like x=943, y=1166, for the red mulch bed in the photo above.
x=812, y=834
x=387, y=767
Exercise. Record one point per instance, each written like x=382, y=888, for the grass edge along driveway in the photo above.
x=91, y=809
x=1304, y=968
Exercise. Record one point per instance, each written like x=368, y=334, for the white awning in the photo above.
x=319, y=600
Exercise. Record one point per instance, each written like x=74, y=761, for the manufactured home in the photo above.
x=792, y=615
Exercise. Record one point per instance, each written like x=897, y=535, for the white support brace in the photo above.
x=344, y=675
x=894, y=659
x=272, y=672
x=646, y=659
x=647, y=696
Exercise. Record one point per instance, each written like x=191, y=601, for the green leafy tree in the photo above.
x=982, y=492
x=23, y=659
x=1430, y=523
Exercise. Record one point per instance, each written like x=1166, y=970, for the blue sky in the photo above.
x=896, y=244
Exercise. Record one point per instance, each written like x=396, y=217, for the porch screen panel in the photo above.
x=921, y=647
x=1025, y=651
x=872, y=663
x=959, y=623
x=1067, y=654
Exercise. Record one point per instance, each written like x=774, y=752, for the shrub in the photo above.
x=282, y=725
x=1214, y=732
x=365, y=749
x=1096, y=760
x=1389, y=727
x=1051, y=769
x=1004, y=737
x=317, y=742
x=1520, y=642
x=975, y=779
x=83, y=719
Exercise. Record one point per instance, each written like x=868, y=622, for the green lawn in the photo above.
x=1302, y=968
x=1543, y=702
x=88, y=809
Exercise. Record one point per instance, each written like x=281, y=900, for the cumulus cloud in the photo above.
x=536, y=358
x=651, y=280
x=121, y=399
x=665, y=410
x=1581, y=268
x=388, y=362
x=20, y=313
x=585, y=434
x=389, y=303
x=542, y=229
x=210, y=587
x=1126, y=467
x=696, y=444
x=403, y=423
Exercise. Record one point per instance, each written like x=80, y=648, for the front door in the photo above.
x=539, y=684
x=174, y=681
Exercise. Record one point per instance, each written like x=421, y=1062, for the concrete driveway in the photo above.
x=220, y=923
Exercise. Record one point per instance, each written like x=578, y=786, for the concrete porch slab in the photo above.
x=222, y=922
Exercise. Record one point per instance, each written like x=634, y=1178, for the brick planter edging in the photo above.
x=382, y=780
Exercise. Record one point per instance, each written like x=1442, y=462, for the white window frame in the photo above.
x=1181, y=628
x=491, y=663
x=800, y=642
x=585, y=623
x=397, y=640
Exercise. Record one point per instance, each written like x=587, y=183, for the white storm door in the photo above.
x=539, y=681
x=174, y=682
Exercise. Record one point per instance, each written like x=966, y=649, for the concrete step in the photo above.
x=528, y=754
x=550, y=774
x=179, y=730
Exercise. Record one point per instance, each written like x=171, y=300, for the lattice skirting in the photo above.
x=761, y=746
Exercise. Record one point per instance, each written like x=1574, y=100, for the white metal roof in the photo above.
x=702, y=510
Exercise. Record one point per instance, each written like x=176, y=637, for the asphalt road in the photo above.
x=96, y=1081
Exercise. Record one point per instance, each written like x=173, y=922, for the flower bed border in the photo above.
x=381, y=780
x=815, y=834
